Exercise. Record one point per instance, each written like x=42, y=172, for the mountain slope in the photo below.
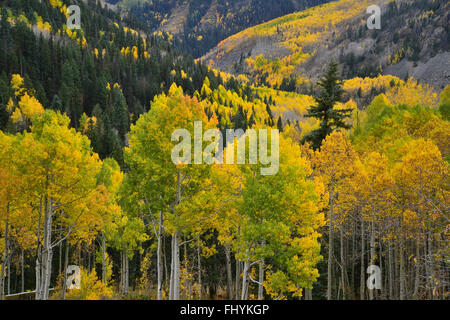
x=202, y=24
x=109, y=70
x=294, y=48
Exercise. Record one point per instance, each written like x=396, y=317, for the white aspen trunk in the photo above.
x=261, y=276
x=261, y=279
x=238, y=272
x=353, y=253
x=172, y=269
x=187, y=294
x=164, y=258
x=238, y=278
x=431, y=283
x=199, y=272
x=391, y=272
x=176, y=271
x=38, y=275
x=402, y=271
x=330, y=243
x=229, y=274
x=244, y=281
x=60, y=251
x=308, y=294
x=176, y=247
x=372, y=253
x=121, y=274
x=104, y=258
x=47, y=254
x=9, y=269
x=66, y=264
x=380, y=294
x=343, y=264
x=159, y=256
x=42, y=257
x=4, y=262
x=127, y=273
x=124, y=278
x=38, y=255
x=443, y=281
x=363, y=271
x=48, y=269
x=23, y=272
x=417, y=265
x=427, y=264
x=396, y=270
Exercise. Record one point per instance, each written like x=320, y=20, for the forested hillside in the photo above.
x=291, y=50
x=108, y=71
x=87, y=177
x=200, y=25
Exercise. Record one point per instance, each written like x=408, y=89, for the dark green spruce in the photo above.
x=331, y=119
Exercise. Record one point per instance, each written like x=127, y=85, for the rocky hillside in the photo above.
x=289, y=51
x=200, y=25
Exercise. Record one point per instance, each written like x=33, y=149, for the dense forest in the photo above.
x=199, y=25
x=87, y=179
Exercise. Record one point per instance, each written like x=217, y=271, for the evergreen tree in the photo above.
x=331, y=118
x=269, y=112
x=280, y=124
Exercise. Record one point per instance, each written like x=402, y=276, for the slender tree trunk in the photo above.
x=164, y=258
x=330, y=243
x=363, y=270
x=417, y=265
x=238, y=272
x=353, y=253
x=121, y=273
x=4, y=262
x=38, y=255
x=9, y=268
x=126, y=284
x=176, y=267
x=372, y=253
x=172, y=269
x=176, y=247
x=308, y=294
x=47, y=255
x=200, y=283
x=380, y=260
x=159, y=256
x=38, y=274
x=261, y=279
x=23, y=272
x=60, y=251
x=402, y=270
x=104, y=273
x=238, y=278
x=187, y=281
x=427, y=265
x=343, y=264
x=244, y=281
x=391, y=271
x=66, y=264
x=229, y=273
